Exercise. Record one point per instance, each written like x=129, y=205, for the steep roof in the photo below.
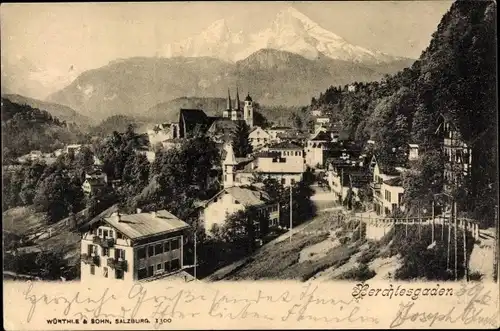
x=193, y=117
x=248, y=98
x=321, y=136
x=146, y=224
x=247, y=196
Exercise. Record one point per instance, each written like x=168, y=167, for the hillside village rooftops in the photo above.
x=321, y=136
x=146, y=224
x=247, y=196
x=286, y=145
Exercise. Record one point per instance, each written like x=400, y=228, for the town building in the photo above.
x=413, y=152
x=277, y=130
x=132, y=247
x=316, y=146
x=95, y=182
x=215, y=211
x=195, y=121
x=345, y=175
x=259, y=137
x=321, y=122
x=386, y=188
x=283, y=162
x=458, y=157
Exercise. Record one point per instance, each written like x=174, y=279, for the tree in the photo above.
x=32, y=176
x=240, y=140
x=51, y=197
x=244, y=227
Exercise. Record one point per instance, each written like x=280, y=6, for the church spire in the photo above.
x=237, y=99
x=228, y=100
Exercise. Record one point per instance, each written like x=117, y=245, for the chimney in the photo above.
x=139, y=210
x=119, y=216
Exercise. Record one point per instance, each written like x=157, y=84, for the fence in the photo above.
x=378, y=226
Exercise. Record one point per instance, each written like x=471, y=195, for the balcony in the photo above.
x=117, y=264
x=91, y=259
x=104, y=242
x=375, y=186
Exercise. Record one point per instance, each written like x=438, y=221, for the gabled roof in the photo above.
x=247, y=196
x=193, y=117
x=146, y=224
x=321, y=136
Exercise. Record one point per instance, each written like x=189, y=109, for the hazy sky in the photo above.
x=55, y=36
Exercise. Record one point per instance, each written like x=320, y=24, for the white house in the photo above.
x=283, y=162
x=316, y=147
x=392, y=190
x=383, y=182
x=259, y=137
x=316, y=112
x=132, y=247
x=413, y=154
x=230, y=200
x=276, y=130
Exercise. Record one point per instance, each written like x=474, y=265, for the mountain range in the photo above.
x=284, y=64
x=290, y=31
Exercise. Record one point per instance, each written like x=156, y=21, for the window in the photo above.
x=142, y=273
x=119, y=274
x=100, y=232
x=141, y=253
x=158, y=267
x=167, y=266
x=175, y=244
x=105, y=251
x=119, y=253
x=119, y=235
x=92, y=269
x=150, y=271
x=105, y=272
x=90, y=249
x=151, y=251
x=111, y=233
x=292, y=181
x=176, y=264
x=158, y=249
x=105, y=233
x=166, y=246
x=283, y=181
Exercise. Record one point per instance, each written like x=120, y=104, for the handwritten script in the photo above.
x=177, y=303
x=470, y=309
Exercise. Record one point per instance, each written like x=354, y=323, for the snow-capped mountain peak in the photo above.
x=290, y=31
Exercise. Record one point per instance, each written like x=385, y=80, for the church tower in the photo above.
x=228, y=111
x=228, y=166
x=236, y=113
x=248, y=111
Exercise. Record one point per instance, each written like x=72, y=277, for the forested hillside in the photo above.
x=25, y=128
x=454, y=77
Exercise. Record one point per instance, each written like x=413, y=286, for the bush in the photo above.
x=360, y=273
x=368, y=255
